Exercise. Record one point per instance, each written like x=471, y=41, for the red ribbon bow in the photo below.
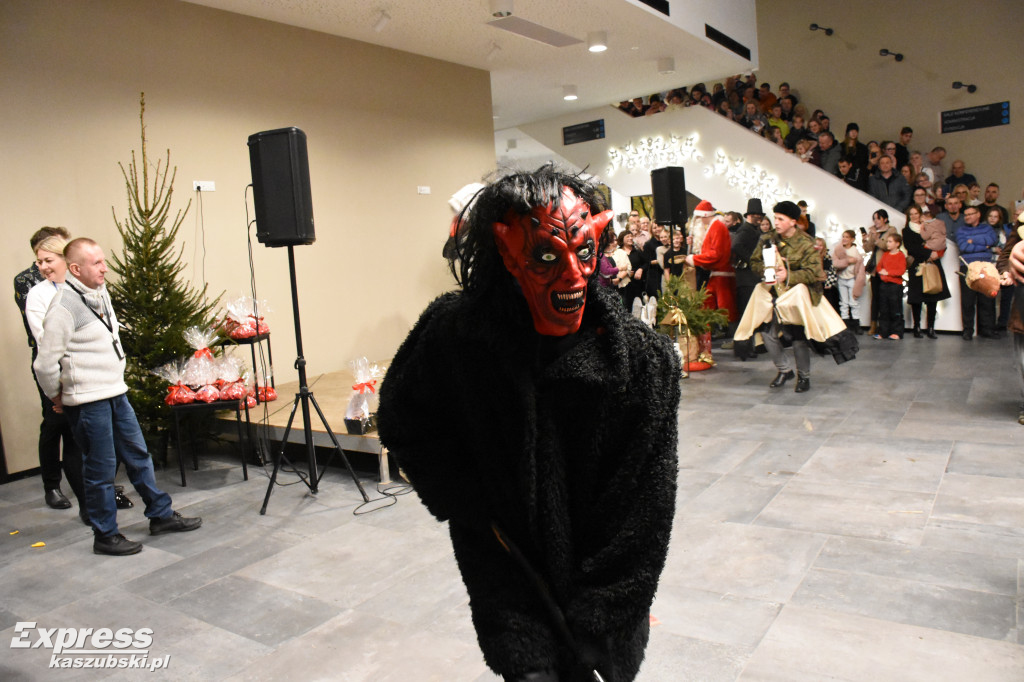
x=204, y=353
x=179, y=394
x=361, y=387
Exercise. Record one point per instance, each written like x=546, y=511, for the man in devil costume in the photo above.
x=538, y=418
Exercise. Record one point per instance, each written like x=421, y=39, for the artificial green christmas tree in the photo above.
x=154, y=305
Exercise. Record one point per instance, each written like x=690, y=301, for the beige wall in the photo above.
x=942, y=41
x=379, y=123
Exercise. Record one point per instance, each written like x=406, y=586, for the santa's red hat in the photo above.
x=704, y=209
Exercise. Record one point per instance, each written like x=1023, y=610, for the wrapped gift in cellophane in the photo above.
x=229, y=378
x=200, y=370
x=250, y=390
x=201, y=340
x=360, y=415
x=201, y=375
x=178, y=393
x=244, y=318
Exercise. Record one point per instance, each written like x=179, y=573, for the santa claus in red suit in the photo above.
x=714, y=255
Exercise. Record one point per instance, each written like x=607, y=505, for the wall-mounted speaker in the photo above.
x=280, y=187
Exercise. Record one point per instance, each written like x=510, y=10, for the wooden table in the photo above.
x=332, y=391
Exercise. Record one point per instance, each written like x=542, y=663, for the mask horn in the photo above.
x=600, y=221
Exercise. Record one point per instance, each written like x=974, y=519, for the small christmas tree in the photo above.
x=153, y=305
x=677, y=294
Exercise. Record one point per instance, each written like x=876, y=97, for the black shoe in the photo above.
x=917, y=332
x=120, y=499
x=989, y=335
x=115, y=545
x=175, y=523
x=802, y=384
x=931, y=334
x=781, y=378
x=967, y=336
x=55, y=499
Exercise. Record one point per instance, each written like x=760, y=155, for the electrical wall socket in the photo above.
x=204, y=186
x=422, y=189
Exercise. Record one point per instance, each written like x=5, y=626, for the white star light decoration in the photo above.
x=653, y=152
x=752, y=181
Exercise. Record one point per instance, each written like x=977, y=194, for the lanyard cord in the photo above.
x=108, y=325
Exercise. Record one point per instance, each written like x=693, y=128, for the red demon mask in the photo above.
x=551, y=251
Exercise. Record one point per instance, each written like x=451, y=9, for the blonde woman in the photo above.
x=55, y=429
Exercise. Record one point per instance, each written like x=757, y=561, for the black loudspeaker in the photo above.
x=280, y=187
x=669, y=189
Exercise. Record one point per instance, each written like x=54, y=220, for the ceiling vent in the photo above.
x=533, y=31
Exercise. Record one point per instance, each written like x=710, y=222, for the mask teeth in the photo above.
x=569, y=296
x=567, y=301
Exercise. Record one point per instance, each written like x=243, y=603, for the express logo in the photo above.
x=89, y=647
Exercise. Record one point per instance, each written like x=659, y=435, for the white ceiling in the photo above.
x=526, y=76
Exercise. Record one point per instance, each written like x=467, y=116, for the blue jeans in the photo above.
x=107, y=430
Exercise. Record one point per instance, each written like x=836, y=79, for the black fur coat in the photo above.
x=568, y=445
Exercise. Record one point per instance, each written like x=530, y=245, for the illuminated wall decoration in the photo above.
x=752, y=181
x=653, y=152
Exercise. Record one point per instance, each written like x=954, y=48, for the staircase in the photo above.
x=724, y=162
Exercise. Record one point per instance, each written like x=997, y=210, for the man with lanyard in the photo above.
x=80, y=367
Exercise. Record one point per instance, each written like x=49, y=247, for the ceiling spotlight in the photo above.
x=597, y=41
x=895, y=55
x=501, y=8
x=970, y=88
x=828, y=31
x=666, y=65
x=382, y=20
x=569, y=93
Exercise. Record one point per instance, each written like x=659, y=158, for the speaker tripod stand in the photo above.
x=304, y=398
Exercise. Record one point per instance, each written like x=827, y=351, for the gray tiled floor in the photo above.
x=869, y=530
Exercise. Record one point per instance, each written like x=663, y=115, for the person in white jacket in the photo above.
x=80, y=367
x=848, y=261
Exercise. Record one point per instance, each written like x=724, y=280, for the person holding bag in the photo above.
x=925, y=241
